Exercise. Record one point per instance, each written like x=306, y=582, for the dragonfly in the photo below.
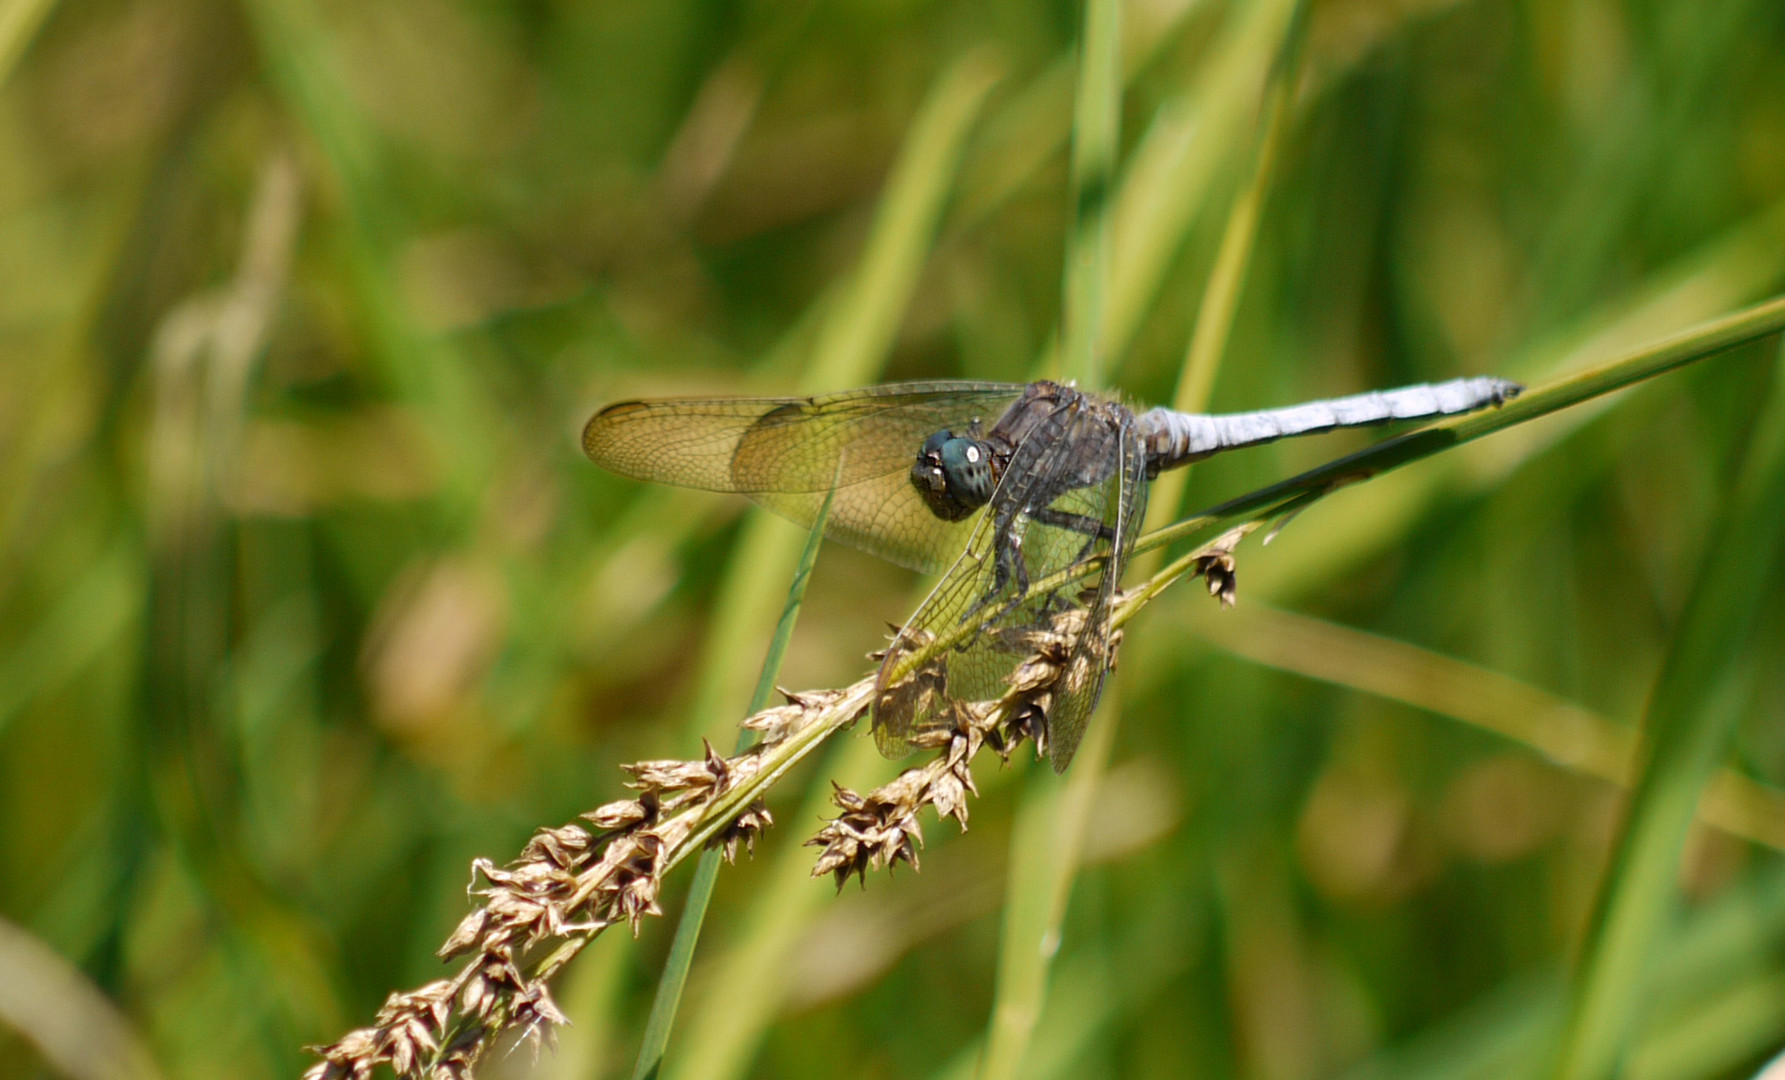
x=1002, y=486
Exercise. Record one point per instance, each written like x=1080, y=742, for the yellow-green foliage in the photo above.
x=307, y=598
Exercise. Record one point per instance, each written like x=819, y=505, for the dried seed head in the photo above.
x=743, y=831
x=1216, y=564
x=777, y=723
x=664, y=777
x=1220, y=574
x=568, y=884
x=469, y=932
x=619, y=815
x=562, y=846
x=571, y=882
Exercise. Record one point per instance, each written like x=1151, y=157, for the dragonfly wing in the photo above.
x=786, y=453
x=1121, y=504
x=988, y=614
x=912, y=696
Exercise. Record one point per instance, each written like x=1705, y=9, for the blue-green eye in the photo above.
x=953, y=473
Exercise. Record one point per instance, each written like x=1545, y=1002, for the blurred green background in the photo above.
x=307, y=597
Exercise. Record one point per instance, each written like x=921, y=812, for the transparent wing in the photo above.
x=1123, y=502
x=1072, y=490
x=785, y=453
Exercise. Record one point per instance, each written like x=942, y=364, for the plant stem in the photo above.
x=700, y=892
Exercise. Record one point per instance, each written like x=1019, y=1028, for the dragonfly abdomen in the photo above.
x=1174, y=438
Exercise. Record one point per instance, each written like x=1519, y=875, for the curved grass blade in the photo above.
x=700, y=892
x=1723, y=275
x=1563, y=732
x=19, y=22
x=851, y=343
x=1288, y=496
x=1050, y=824
x=853, y=339
x=1696, y=343
x=1691, y=714
x=1096, y=136
x=1175, y=168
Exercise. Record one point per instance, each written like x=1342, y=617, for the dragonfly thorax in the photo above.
x=953, y=473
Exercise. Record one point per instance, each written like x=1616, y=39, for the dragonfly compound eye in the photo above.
x=1057, y=445
x=953, y=473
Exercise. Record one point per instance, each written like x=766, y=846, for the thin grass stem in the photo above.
x=1221, y=296
x=1050, y=825
x=1691, y=715
x=19, y=21
x=700, y=892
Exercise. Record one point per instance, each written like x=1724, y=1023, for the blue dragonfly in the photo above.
x=1001, y=485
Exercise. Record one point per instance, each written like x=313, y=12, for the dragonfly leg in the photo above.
x=1092, y=529
x=1008, y=558
x=1007, y=562
x=1078, y=523
x=1022, y=570
x=1020, y=567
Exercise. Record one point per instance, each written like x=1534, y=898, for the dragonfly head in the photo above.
x=953, y=473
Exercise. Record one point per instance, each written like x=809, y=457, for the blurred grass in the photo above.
x=306, y=597
x=1048, y=830
x=1704, y=685
x=853, y=342
x=700, y=892
x=1560, y=732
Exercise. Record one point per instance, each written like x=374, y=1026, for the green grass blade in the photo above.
x=727, y=1027
x=1171, y=173
x=1049, y=830
x=19, y=20
x=1094, y=988
x=1733, y=269
x=700, y=892
x=1723, y=1033
x=1705, y=340
x=1714, y=965
x=851, y=345
x=850, y=349
x=1559, y=730
x=1029, y=130
x=1051, y=821
x=1096, y=137
x=1221, y=296
x=1692, y=711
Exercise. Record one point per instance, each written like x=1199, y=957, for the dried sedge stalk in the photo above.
x=571, y=883
x=880, y=829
